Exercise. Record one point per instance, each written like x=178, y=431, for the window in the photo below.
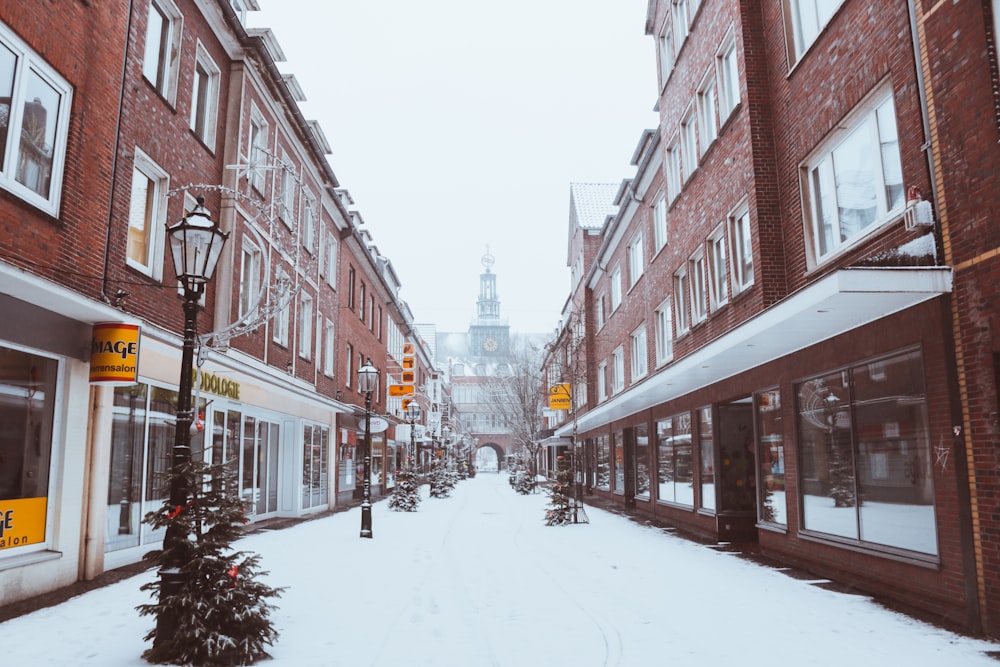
x=308, y=222
x=672, y=166
x=34, y=116
x=664, y=333
x=258, y=149
x=286, y=209
x=771, y=458
x=147, y=215
x=602, y=455
x=665, y=52
x=205, y=97
x=682, y=301
x=305, y=326
x=635, y=259
x=315, y=465
x=682, y=20
x=617, y=370
x=708, y=116
x=809, y=17
x=250, y=291
x=331, y=260
x=362, y=300
x=637, y=348
x=281, y=317
x=674, y=462
x=350, y=287
x=659, y=223
x=371, y=314
x=616, y=288
x=689, y=144
x=349, y=365
x=642, y=479
x=864, y=449
x=706, y=437
x=602, y=381
x=163, y=43
x=727, y=71
x=742, y=245
x=599, y=313
x=328, y=348
x=696, y=269
x=718, y=288
x=854, y=183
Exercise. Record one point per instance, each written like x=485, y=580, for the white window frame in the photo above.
x=161, y=53
x=257, y=148
x=205, y=97
x=659, y=223
x=869, y=123
x=305, y=326
x=718, y=276
x=672, y=168
x=728, y=73
x=638, y=353
x=31, y=76
x=636, y=259
x=250, y=268
x=330, y=260
x=708, y=115
x=699, y=300
x=286, y=195
x=349, y=365
x=600, y=315
x=808, y=18
x=665, y=51
x=147, y=215
x=689, y=143
x=309, y=221
x=741, y=249
x=682, y=301
x=618, y=370
x=616, y=288
x=602, y=381
x=281, y=316
x=329, y=347
x=664, y=332
x=681, y=18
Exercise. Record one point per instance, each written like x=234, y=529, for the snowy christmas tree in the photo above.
x=406, y=494
x=219, y=614
x=442, y=480
x=560, y=510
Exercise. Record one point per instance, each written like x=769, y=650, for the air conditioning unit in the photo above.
x=919, y=212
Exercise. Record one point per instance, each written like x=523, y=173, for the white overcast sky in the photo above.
x=458, y=124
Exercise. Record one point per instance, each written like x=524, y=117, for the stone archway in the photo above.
x=499, y=454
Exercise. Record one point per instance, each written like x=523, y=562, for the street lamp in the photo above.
x=367, y=383
x=413, y=414
x=196, y=244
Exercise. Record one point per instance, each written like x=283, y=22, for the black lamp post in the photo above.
x=196, y=244
x=413, y=414
x=367, y=383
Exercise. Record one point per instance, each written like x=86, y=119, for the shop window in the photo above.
x=674, y=471
x=34, y=117
x=27, y=404
x=865, y=455
x=771, y=458
x=618, y=445
x=315, y=465
x=642, y=478
x=706, y=444
x=603, y=468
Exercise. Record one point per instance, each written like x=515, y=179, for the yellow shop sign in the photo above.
x=22, y=521
x=114, y=354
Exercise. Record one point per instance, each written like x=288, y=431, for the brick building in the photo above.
x=120, y=117
x=786, y=329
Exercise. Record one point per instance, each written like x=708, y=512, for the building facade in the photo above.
x=778, y=325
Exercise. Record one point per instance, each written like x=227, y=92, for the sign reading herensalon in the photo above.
x=114, y=353
x=22, y=521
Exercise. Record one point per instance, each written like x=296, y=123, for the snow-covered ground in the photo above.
x=477, y=579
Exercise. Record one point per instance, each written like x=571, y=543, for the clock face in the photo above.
x=490, y=344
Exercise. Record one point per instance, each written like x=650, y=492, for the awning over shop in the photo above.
x=838, y=303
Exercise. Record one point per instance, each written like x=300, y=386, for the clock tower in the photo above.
x=488, y=334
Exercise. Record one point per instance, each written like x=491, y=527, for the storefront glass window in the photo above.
x=642, y=461
x=675, y=475
x=771, y=437
x=866, y=455
x=619, y=462
x=603, y=463
x=315, y=464
x=128, y=436
x=27, y=401
x=706, y=435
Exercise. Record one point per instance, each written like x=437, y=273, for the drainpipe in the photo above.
x=963, y=453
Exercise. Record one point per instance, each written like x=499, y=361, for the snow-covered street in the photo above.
x=478, y=579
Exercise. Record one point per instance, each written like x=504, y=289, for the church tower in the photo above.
x=489, y=336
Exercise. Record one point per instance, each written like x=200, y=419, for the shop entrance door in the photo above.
x=259, y=464
x=737, y=512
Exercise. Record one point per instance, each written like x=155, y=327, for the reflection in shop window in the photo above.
x=642, y=461
x=772, y=458
x=675, y=475
x=619, y=448
x=603, y=463
x=707, y=440
x=315, y=465
x=865, y=454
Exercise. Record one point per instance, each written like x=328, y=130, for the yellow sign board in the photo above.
x=22, y=521
x=406, y=402
x=409, y=363
x=408, y=377
x=396, y=390
x=559, y=397
x=114, y=353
